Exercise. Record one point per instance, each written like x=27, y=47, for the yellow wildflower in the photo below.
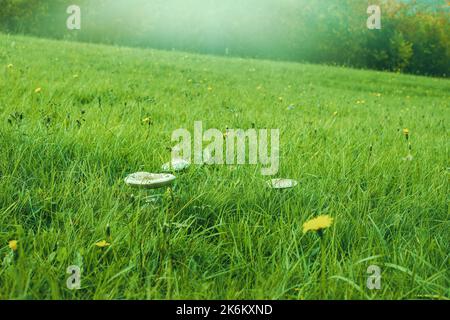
x=318, y=224
x=103, y=244
x=13, y=245
x=37, y=90
x=147, y=120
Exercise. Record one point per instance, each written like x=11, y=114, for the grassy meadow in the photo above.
x=71, y=130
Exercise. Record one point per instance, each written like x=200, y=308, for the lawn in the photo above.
x=71, y=130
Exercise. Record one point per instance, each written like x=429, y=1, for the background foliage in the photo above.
x=414, y=37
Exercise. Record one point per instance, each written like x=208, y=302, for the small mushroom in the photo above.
x=409, y=157
x=145, y=180
x=176, y=165
x=282, y=183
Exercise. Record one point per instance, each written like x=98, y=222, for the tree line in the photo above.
x=414, y=37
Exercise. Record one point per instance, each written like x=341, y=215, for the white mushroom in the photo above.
x=176, y=165
x=282, y=183
x=409, y=157
x=145, y=180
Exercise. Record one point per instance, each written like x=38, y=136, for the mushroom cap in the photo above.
x=176, y=165
x=147, y=180
x=282, y=183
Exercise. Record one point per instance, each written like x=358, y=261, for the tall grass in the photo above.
x=222, y=233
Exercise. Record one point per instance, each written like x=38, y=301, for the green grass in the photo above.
x=223, y=234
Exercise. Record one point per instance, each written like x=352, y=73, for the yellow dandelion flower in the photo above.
x=318, y=224
x=226, y=133
x=147, y=120
x=13, y=245
x=406, y=132
x=103, y=244
x=37, y=90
